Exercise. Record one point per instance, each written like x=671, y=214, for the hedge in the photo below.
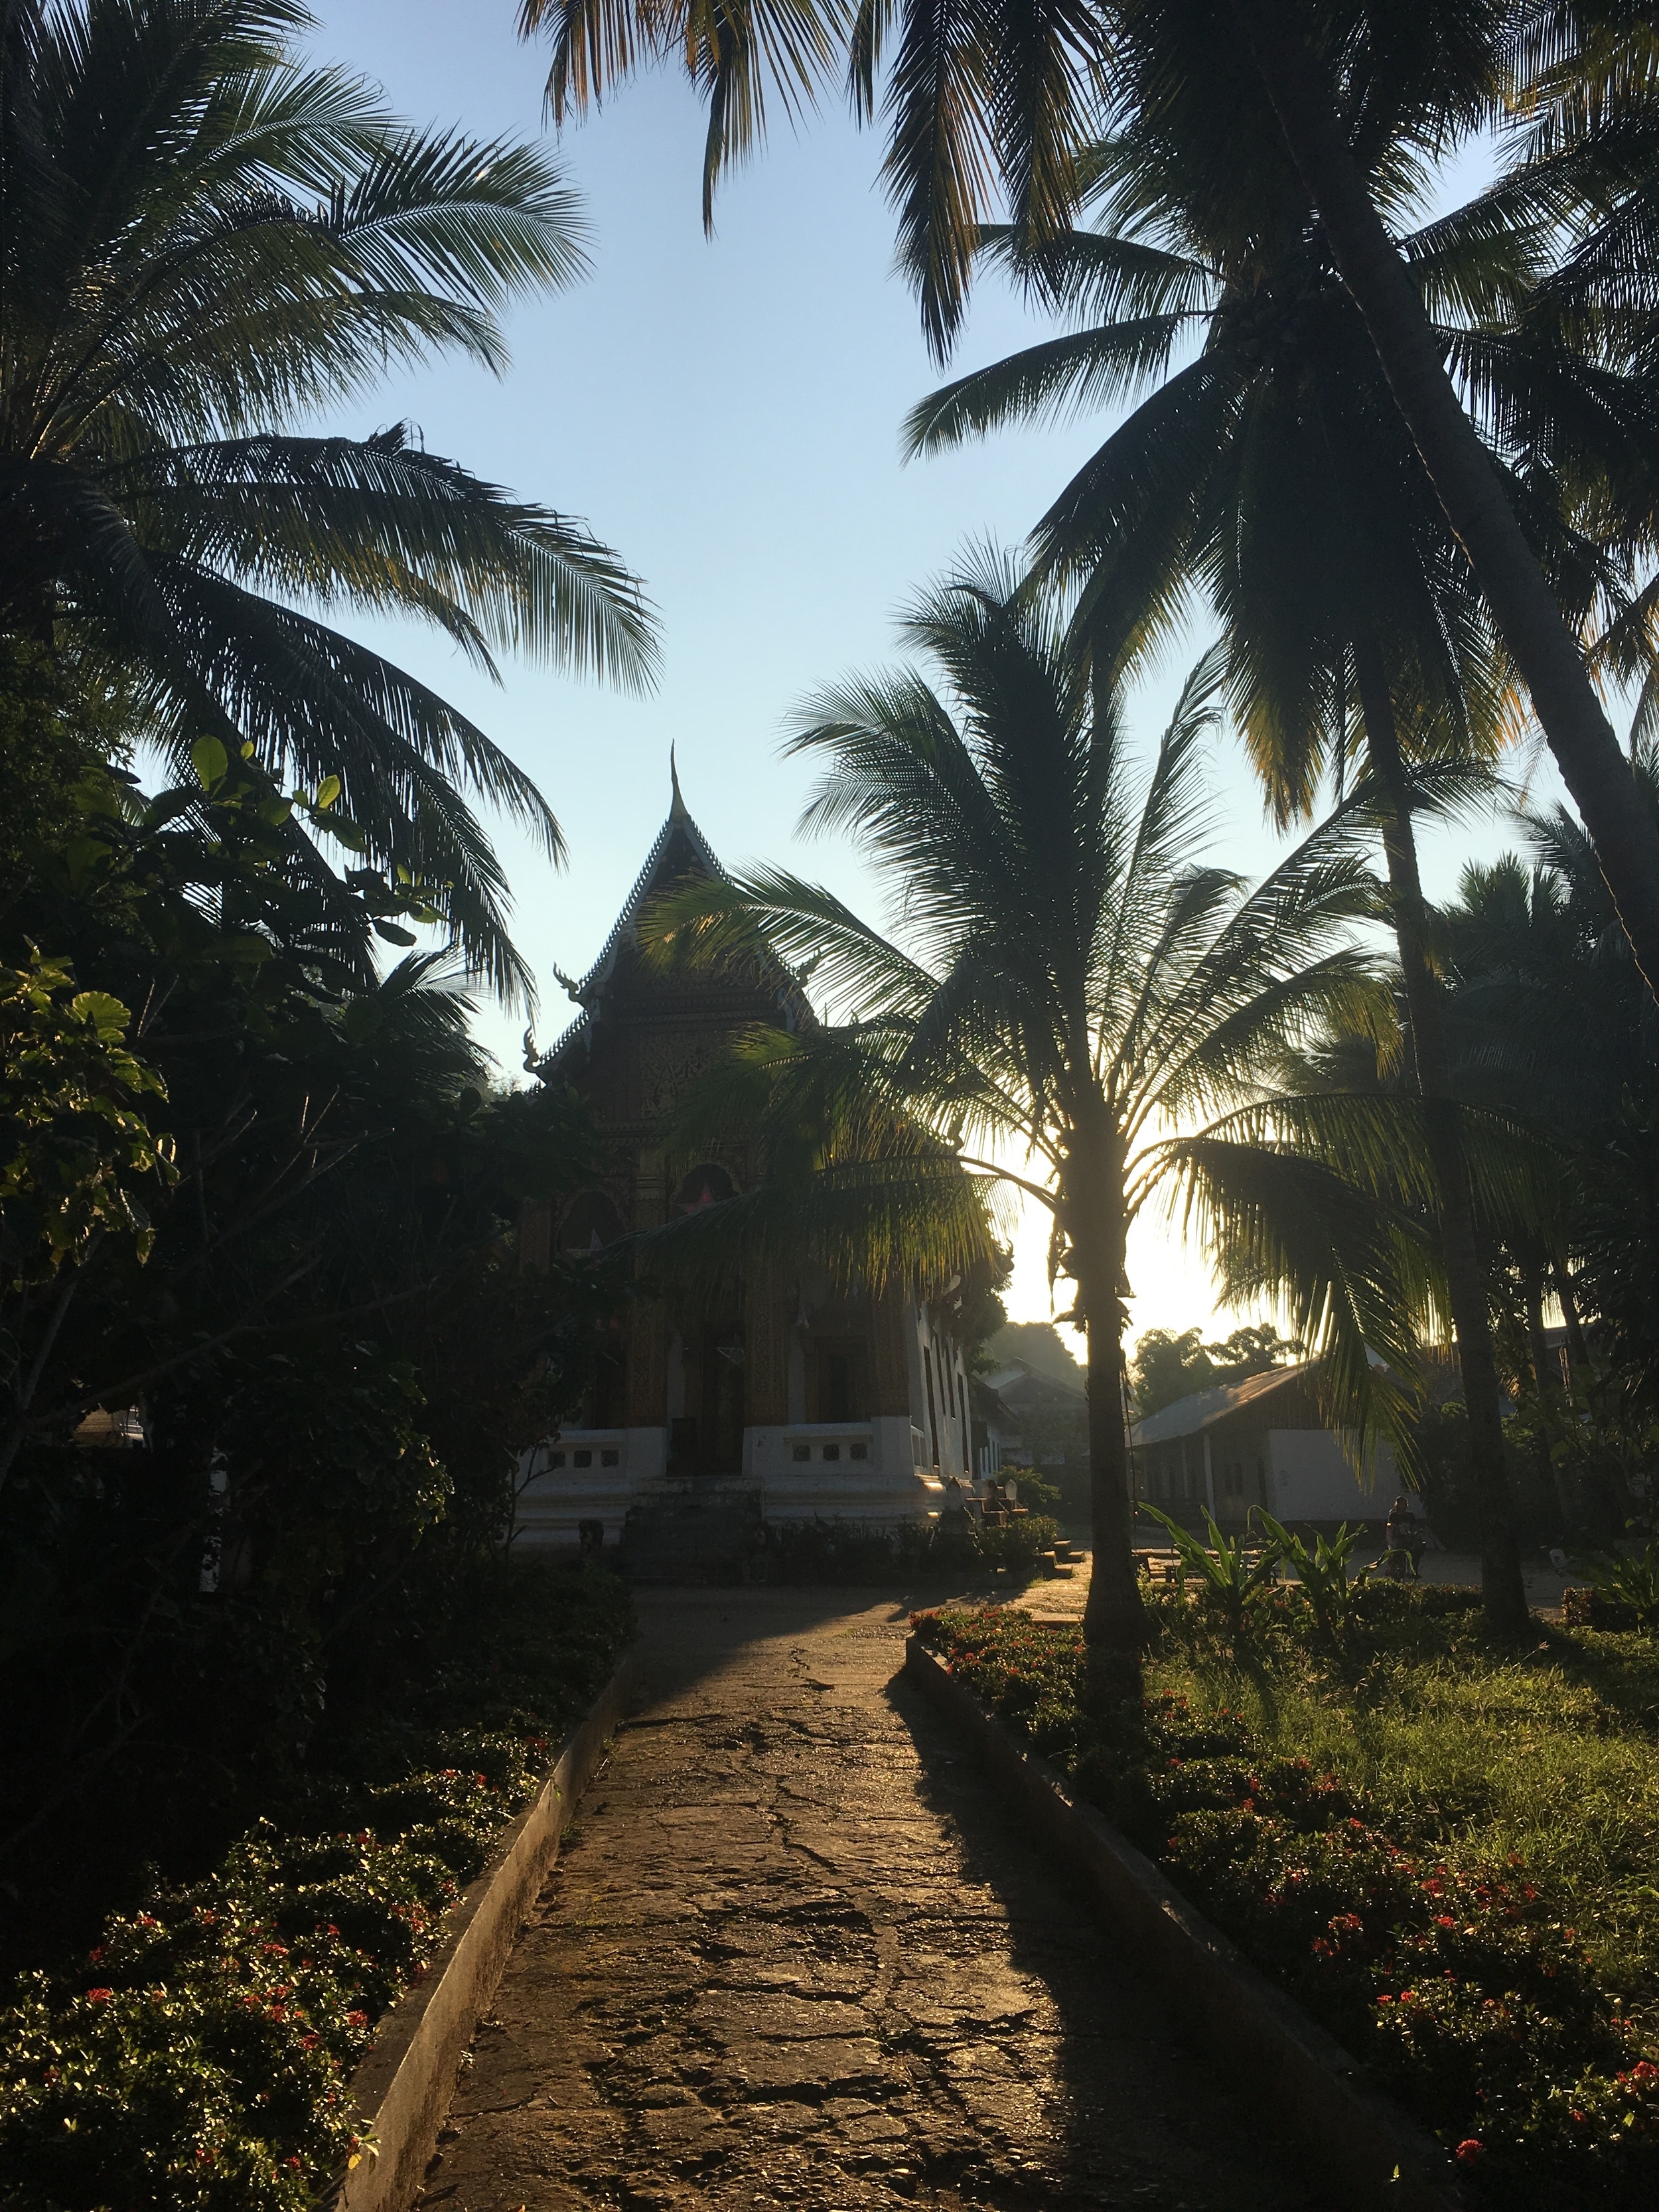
x=199, y=2058
x=1457, y=1986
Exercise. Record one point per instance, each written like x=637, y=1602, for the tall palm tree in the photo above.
x=1271, y=469
x=987, y=105
x=204, y=243
x=1583, y=158
x=1068, y=992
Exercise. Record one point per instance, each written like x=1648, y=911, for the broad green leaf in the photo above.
x=108, y=1015
x=210, y=762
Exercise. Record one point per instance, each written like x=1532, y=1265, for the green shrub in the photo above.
x=1623, y=1585
x=853, y=1552
x=1592, y=1608
x=1455, y=1978
x=1234, y=1576
x=200, y=2058
x=1016, y=1543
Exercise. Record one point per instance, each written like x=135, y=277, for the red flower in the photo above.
x=1469, y=2150
x=356, y=2020
x=97, y=1997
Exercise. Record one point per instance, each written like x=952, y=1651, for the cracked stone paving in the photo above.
x=797, y=1953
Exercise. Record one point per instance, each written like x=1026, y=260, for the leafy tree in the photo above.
x=258, y=1201
x=1066, y=984
x=1547, y=1008
x=1167, y=1366
x=1038, y=1343
x=204, y=243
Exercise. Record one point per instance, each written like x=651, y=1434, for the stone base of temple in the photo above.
x=864, y=1472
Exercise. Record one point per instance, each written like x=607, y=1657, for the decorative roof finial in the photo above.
x=678, y=811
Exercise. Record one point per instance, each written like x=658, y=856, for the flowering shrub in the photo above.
x=1585, y=1607
x=1457, y=1983
x=200, y=2058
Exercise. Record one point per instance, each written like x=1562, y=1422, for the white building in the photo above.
x=1261, y=1441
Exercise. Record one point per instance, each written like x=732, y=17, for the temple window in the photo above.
x=591, y=1222
x=707, y=1184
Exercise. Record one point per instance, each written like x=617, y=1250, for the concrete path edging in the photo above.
x=403, y=2086
x=1384, y=2160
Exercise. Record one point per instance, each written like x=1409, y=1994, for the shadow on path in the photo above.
x=798, y=1954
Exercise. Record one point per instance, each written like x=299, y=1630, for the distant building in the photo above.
x=1012, y=1403
x=1261, y=1442
x=799, y=1401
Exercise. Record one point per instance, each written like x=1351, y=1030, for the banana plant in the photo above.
x=1629, y=1578
x=1234, y=1572
x=1322, y=1572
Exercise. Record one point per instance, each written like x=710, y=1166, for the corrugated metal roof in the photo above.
x=1021, y=1370
x=1202, y=1409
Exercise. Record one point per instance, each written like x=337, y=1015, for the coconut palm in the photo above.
x=1066, y=992
x=985, y=106
x=204, y=243
x=1583, y=150
x=1271, y=472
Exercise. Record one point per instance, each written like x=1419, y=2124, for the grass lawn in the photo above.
x=1449, y=1852
x=1549, y=1758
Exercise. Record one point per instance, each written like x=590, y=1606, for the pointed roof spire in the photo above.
x=664, y=864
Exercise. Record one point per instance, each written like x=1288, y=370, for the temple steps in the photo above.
x=699, y=1533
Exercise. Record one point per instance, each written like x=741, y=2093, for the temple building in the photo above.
x=805, y=1403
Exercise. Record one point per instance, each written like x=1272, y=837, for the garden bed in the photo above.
x=1443, y=1853
x=201, y=2057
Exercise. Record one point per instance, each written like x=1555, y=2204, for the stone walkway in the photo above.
x=798, y=1955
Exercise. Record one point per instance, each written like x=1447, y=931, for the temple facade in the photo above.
x=810, y=1403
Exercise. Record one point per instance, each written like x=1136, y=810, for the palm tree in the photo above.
x=203, y=245
x=986, y=106
x=1584, y=159
x=1067, y=990
x=1271, y=468
x=1458, y=58
x=1547, y=1013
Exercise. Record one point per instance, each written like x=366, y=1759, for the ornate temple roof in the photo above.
x=679, y=840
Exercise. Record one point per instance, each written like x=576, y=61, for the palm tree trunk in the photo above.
x=1578, y=1359
x=1115, y=1619
x=1464, y=477
x=1546, y=1381
x=1503, y=1588
x=1546, y=1370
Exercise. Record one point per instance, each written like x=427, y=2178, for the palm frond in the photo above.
x=1352, y=1280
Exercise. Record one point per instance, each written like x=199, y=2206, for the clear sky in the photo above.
x=725, y=414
